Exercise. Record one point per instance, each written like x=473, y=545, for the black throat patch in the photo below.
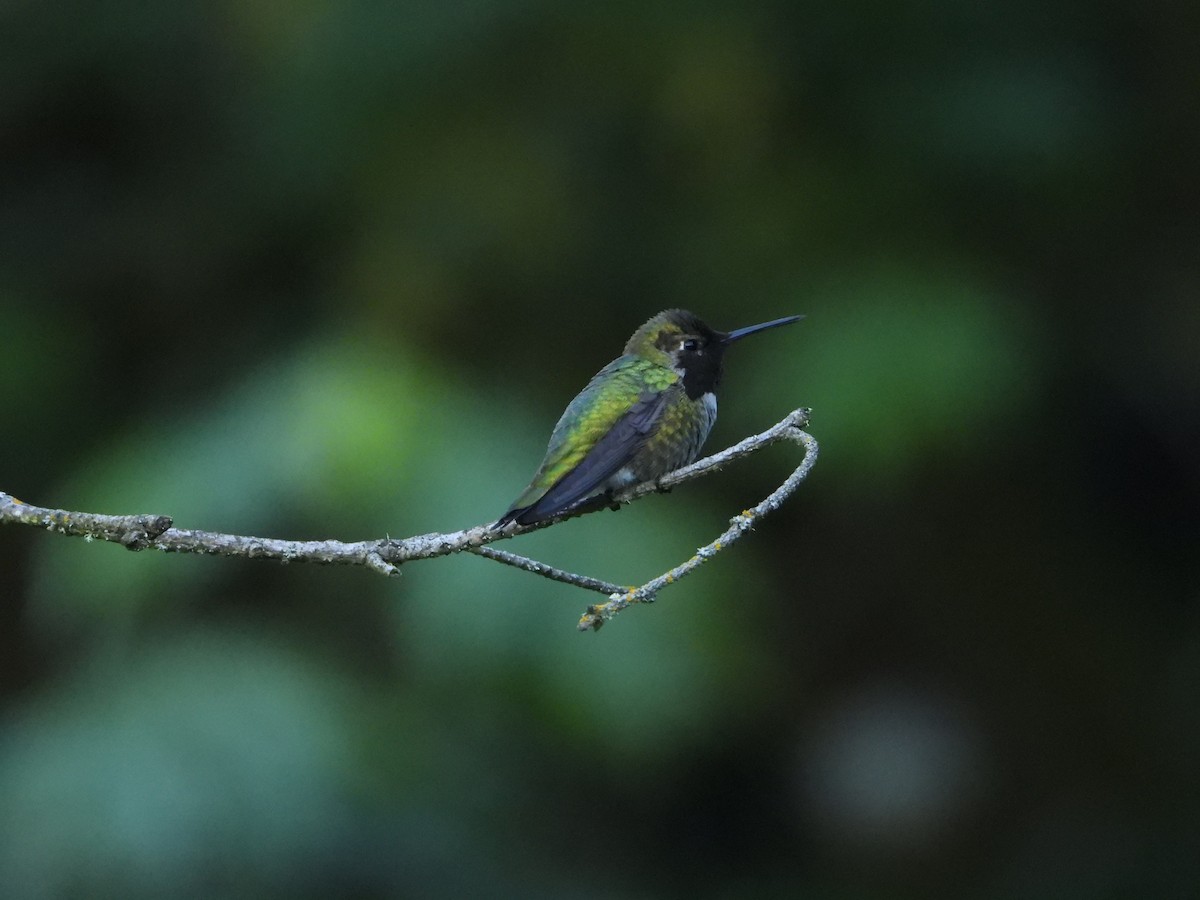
x=702, y=369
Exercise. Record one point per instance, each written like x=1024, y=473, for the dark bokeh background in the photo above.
x=332, y=270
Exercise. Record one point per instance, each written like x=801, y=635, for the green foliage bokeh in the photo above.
x=333, y=270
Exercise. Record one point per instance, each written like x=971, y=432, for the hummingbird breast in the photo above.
x=681, y=431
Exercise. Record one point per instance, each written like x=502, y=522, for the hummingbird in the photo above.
x=645, y=414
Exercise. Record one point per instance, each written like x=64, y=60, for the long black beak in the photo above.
x=752, y=329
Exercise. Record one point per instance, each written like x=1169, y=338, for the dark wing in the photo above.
x=618, y=445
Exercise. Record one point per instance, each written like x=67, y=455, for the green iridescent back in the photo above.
x=592, y=414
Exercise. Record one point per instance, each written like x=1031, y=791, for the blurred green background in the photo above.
x=333, y=270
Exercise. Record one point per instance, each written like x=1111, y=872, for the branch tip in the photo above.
x=376, y=562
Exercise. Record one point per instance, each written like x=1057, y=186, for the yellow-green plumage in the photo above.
x=591, y=415
x=594, y=412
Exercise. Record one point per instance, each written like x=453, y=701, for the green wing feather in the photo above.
x=622, y=388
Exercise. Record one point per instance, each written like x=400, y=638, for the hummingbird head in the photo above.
x=678, y=339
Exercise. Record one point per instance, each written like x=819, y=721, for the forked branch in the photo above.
x=386, y=555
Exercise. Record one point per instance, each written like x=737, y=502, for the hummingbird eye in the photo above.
x=691, y=345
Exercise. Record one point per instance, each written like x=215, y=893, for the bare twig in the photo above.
x=386, y=555
x=597, y=615
x=539, y=568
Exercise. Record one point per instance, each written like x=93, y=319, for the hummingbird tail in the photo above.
x=513, y=515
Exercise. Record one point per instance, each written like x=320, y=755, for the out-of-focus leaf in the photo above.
x=903, y=363
x=201, y=764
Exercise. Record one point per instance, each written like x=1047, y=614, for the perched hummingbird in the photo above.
x=643, y=415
